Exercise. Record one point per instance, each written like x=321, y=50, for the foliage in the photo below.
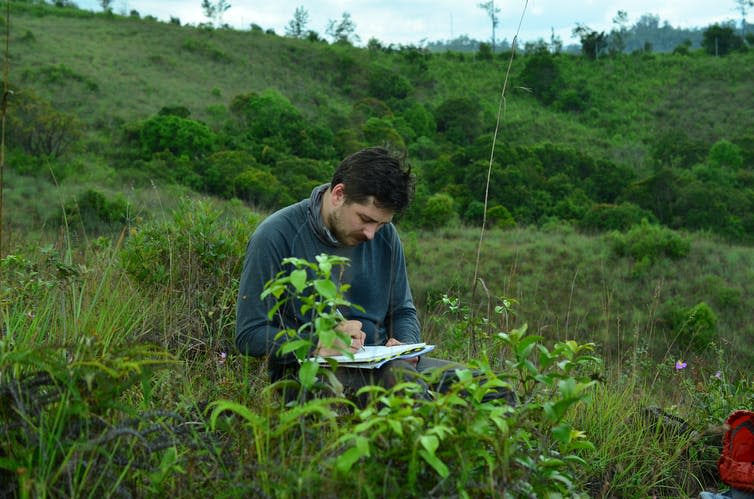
x=693, y=328
x=35, y=126
x=648, y=243
x=260, y=188
x=309, y=286
x=193, y=249
x=94, y=211
x=721, y=40
x=541, y=74
x=269, y=120
x=592, y=42
x=219, y=171
x=297, y=26
x=491, y=446
x=610, y=217
x=437, y=211
x=173, y=134
x=343, y=31
x=384, y=83
x=458, y=119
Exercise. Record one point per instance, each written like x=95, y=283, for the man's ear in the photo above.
x=338, y=194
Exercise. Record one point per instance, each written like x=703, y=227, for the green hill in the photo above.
x=589, y=146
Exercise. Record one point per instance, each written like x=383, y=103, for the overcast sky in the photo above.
x=405, y=22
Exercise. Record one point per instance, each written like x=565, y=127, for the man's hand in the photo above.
x=354, y=332
x=391, y=342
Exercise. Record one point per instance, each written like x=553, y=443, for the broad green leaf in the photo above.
x=562, y=433
x=298, y=279
x=345, y=461
x=430, y=442
x=326, y=288
x=307, y=374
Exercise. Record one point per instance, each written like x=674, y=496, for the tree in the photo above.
x=297, y=26
x=541, y=75
x=592, y=42
x=619, y=32
x=214, y=10
x=107, y=5
x=492, y=12
x=743, y=7
x=721, y=40
x=39, y=129
x=343, y=31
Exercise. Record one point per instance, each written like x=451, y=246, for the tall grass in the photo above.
x=114, y=381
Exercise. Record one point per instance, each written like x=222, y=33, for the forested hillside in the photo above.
x=601, y=144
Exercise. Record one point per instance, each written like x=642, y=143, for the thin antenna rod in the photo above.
x=500, y=112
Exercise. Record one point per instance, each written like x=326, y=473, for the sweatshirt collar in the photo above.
x=314, y=216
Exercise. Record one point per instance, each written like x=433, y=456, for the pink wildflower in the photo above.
x=679, y=364
x=223, y=356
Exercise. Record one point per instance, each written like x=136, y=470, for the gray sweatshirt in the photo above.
x=376, y=273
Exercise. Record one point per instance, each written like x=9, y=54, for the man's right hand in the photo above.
x=353, y=330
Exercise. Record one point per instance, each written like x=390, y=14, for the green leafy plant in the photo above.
x=311, y=287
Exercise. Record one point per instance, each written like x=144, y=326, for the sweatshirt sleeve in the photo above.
x=255, y=332
x=403, y=320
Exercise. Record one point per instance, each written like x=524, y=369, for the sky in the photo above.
x=415, y=22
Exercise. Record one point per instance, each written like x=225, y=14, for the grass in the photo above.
x=132, y=366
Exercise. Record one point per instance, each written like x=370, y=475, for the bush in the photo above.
x=459, y=119
x=260, y=188
x=196, y=248
x=693, y=327
x=499, y=216
x=220, y=169
x=93, y=211
x=381, y=131
x=609, y=217
x=541, y=75
x=38, y=128
x=438, y=211
x=384, y=83
x=650, y=242
x=725, y=154
x=179, y=136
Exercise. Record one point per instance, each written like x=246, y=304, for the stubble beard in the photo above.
x=336, y=229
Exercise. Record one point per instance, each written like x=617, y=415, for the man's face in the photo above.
x=354, y=223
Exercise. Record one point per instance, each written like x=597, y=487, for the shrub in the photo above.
x=650, y=242
x=93, y=211
x=196, y=248
x=541, y=75
x=621, y=217
x=38, y=128
x=220, y=169
x=693, y=327
x=725, y=154
x=381, y=131
x=438, y=211
x=384, y=83
x=179, y=136
x=499, y=216
x=459, y=119
x=420, y=119
x=260, y=188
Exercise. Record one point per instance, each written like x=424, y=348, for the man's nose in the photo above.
x=369, y=232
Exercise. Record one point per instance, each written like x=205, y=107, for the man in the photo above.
x=349, y=217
